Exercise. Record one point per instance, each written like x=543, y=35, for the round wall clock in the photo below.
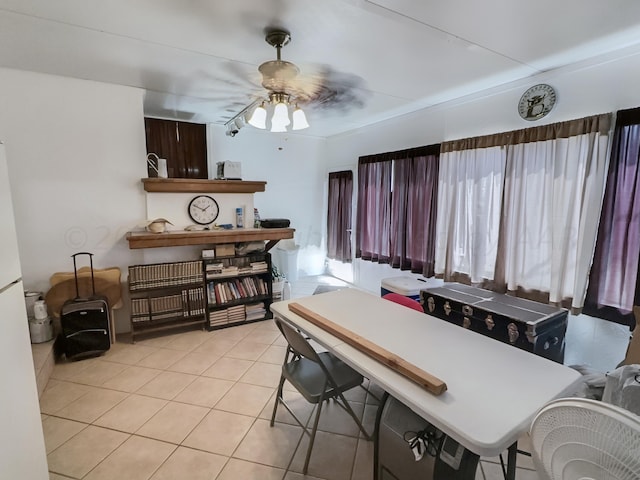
x=203, y=209
x=536, y=102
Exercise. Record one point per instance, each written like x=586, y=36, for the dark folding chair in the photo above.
x=318, y=377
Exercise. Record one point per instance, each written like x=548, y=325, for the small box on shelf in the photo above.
x=225, y=250
x=209, y=253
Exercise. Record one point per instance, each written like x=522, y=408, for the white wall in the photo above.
x=76, y=154
x=294, y=168
x=174, y=206
x=590, y=90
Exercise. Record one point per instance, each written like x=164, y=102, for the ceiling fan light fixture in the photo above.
x=280, y=115
x=275, y=127
x=277, y=77
x=299, y=119
x=259, y=117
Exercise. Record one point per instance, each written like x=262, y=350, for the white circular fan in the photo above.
x=582, y=439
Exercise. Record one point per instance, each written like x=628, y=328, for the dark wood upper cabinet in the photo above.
x=183, y=144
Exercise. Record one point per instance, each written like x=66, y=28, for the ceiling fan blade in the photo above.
x=327, y=88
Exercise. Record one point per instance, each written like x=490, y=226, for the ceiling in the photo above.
x=198, y=59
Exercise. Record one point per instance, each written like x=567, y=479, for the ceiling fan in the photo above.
x=287, y=89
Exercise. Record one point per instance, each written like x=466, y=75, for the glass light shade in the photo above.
x=280, y=115
x=259, y=118
x=275, y=127
x=299, y=119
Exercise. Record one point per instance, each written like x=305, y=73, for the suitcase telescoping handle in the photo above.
x=75, y=272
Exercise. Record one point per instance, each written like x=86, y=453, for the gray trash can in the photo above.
x=288, y=259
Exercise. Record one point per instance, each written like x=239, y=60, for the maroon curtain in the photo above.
x=413, y=211
x=373, y=209
x=398, y=227
x=339, y=216
x=613, y=281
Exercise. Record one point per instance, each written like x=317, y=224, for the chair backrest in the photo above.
x=297, y=342
x=402, y=300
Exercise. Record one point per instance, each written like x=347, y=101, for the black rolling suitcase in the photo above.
x=85, y=321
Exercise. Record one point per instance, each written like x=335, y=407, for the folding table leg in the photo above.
x=511, y=462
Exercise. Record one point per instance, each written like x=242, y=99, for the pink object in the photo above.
x=402, y=300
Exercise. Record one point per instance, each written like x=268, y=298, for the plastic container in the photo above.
x=30, y=299
x=40, y=310
x=286, y=291
x=407, y=286
x=240, y=217
x=40, y=330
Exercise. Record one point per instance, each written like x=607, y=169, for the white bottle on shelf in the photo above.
x=240, y=217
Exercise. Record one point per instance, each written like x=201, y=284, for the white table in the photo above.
x=494, y=389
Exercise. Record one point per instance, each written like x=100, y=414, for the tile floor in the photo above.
x=196, y=405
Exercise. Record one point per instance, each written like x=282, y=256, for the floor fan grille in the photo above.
x=581, y=439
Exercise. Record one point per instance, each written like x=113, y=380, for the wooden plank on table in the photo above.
x=400, y=365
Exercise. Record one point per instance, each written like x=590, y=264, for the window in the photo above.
x=518, y=211
x=397, y=195
x=339, y=216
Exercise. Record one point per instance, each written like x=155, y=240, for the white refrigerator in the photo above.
x=22, y=450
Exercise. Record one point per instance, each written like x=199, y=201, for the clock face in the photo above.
x=203, y=209
x=536, y=102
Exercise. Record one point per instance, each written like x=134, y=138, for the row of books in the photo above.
x=227, y=315
x=219, y=293
x=238, y=313
x=259, y=267
x=255, y=311
x=189, y=302
x=164, y=275
x=220, y=269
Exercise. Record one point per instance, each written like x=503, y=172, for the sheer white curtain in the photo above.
x=552, y=201
x=468, y=216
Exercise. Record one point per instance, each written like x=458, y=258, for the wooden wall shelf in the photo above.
x=193, y=185
x=182, y=238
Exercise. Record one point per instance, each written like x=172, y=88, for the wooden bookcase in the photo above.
x=237, y=289
x=166, y=296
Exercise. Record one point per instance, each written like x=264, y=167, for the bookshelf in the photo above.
x=166, y=296
x=237, y=289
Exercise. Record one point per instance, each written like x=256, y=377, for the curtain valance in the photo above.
x=401, y=154
x=594, y=124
